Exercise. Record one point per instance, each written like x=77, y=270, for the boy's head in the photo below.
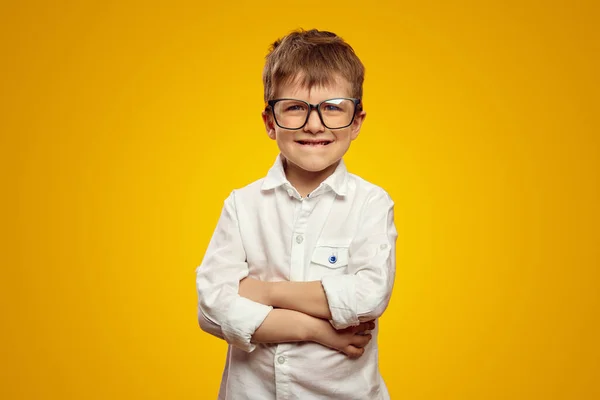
x=313, y=68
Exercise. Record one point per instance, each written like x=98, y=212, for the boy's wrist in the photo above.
x=317, y=330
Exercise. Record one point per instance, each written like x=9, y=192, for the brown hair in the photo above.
x=314, y=57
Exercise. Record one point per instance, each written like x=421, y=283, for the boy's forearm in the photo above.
x=284, y=326
x=306, y=297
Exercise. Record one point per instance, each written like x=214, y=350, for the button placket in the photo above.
x=297, y=258
x=281, y=364
x=299, y=241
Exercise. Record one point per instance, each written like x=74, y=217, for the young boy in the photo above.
x=303, y=261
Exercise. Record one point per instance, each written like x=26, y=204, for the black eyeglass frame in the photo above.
x=357, y=108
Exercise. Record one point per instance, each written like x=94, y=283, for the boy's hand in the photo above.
x=255, y=290
x=350, y=341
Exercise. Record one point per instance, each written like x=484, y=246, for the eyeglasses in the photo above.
x=334, y=113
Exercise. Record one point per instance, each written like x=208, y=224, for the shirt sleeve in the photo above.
x=364, y=293
x=221, y=311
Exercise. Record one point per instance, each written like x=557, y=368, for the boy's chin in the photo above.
x=314, y=166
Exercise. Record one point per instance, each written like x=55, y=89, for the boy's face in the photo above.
x=313, y=147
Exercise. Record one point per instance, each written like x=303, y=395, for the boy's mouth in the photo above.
x=314, y=142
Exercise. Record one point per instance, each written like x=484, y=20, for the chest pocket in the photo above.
x=328, y=260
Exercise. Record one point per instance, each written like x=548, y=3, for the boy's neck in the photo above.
x=306, y=181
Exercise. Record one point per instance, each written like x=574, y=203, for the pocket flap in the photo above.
x=330, y=257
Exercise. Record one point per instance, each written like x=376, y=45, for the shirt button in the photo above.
x=383, y=246
x=281, y=359
x=290, y=192
x=299, y=239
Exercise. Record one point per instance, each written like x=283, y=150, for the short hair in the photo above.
x=314, y=57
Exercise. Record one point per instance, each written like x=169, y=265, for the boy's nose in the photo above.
x=314, y=124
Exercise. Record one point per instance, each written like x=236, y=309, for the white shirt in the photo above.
x=342, y=234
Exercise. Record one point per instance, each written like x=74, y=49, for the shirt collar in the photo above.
x=276, y=176
x=338, y=181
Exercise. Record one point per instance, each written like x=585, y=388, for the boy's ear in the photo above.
x=269, y=124
x=357, y=124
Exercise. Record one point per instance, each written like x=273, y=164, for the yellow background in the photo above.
x=125, y=126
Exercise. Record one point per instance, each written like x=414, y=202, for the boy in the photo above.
x=303, y=261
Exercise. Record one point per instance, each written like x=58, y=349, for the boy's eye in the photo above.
x=331, y=107
x=295, y=107
x=335, y=105
x=291, y=106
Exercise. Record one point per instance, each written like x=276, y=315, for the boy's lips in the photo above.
x=313, y=142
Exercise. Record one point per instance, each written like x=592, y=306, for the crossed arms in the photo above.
x=333, y=311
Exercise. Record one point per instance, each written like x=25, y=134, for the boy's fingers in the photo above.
x=361, y=340
x=365, y=326
x=354, y=352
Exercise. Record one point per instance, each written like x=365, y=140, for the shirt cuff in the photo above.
x=341, y=296
x=242, y=320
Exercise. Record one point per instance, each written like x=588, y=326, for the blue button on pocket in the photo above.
x=331, y=257
x=327, y=260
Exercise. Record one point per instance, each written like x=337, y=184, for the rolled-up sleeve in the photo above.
x=364, y=293
x=221, y=311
